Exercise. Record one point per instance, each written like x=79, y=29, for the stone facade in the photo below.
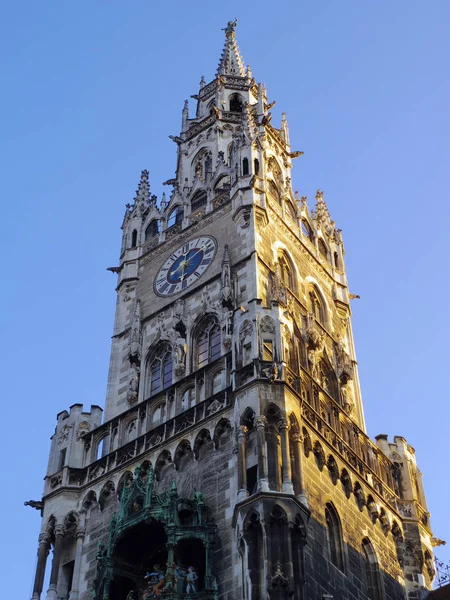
x=233, y=439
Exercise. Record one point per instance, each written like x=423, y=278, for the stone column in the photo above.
x=79, y=535
x=285, y=457
x=298, y=459
x=59, y=538
x=263, y=481
x=242, y=462
x=43, y=550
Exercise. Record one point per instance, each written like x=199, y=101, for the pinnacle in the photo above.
x=321, y=212
x=231, y=60
x=143, y=192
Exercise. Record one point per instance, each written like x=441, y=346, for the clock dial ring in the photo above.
x=185, y=265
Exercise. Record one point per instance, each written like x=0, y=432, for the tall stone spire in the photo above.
x=231, y=59
x=142, y=198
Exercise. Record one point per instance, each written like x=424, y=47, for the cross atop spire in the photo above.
x=231, y=60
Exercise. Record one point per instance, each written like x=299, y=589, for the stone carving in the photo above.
x=278, y=579
x=271, y=372
x=343, y=361
x=267, y=325
x=64, y=434
x=133, y=385
x=38, y=504
x=347, y=398
x=311, y=336
x=278, y=289
x=55, y=481
x=226, y=282
x=135, y=341
x=82, y=429
x=215, y=406
x=178, y=310
x=179, y=350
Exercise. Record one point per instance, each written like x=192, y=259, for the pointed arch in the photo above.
x=346, y=482
x=159, y=367
x=199, y=200
x=333, y=469
x=319, y=455
x=106, y=496
x=201, y=439
x=124, y=482
x=182, y=450
x=334, y=536
x=207, y=341
x=89, y=500
x=152, y=229
x=323, y=249
x=372, y=571
x=164, y=459
x=287, y=271
x=236, y=103
x=307, y=444
x=254, y=539
x=176, y=216
x=222, y=431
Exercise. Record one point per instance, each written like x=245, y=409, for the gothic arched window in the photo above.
x=323, y=249
x=202, y=164
x=372, y=571
x=245, y=170
x=134, y=238
x=334, y=535
x=198, y=201
x=236, y=103
x=317, y=307
x=160, y=370
x=290, y=209
x=274, y=192
x=306, y=229
x=176, y=216
x=152, y=229
x=256, y=166
x=286, y=272
x=208, y=342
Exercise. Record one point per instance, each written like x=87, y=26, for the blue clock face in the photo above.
x=185, y=266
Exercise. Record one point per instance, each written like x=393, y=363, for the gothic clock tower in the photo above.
x=231, y=461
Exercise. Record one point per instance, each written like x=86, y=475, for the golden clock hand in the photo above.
x=202, y=249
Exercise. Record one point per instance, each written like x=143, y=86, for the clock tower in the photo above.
x=231, y=461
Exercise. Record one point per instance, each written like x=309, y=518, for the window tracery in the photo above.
x=208, y=342
x=159, y=369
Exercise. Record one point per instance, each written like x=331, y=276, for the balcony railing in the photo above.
x=151, y=439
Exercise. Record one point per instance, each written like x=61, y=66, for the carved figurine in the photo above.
x=133, y=386
x=191, y=578
x=156, y=581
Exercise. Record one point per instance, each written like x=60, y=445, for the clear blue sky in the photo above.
x=90, y=92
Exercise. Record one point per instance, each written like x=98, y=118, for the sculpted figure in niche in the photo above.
x=133, y=386
x=347, y=399
x=135, y=342
x=179, y=355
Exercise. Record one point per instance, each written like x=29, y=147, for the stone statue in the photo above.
x=179, y=355
x=133, y=386
x=135, y=342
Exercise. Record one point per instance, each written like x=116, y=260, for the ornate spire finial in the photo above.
x=142, y=198
x=202, y=82
x=231, y=61
x=322, y=215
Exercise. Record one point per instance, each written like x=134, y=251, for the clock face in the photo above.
x=185, y=266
